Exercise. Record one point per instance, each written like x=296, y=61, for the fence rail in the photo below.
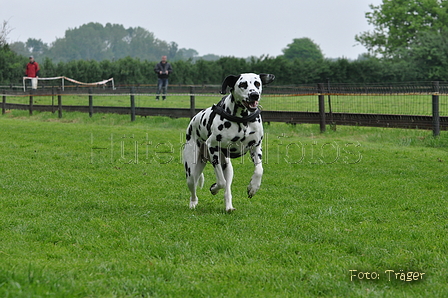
x=421, y=105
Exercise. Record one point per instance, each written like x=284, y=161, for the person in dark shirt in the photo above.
x=163, y=69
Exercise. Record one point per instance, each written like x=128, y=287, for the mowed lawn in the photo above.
x=98, y=207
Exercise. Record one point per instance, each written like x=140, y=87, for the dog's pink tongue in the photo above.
x=254, y=104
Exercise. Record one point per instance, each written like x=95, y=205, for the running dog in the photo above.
x=227, y=130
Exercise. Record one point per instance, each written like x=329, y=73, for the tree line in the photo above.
x=367, y=69
x=93, y=41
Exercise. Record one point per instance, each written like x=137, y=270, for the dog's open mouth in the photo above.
x=251, y=105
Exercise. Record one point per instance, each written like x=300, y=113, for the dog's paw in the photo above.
x=193, y=204
x=214, y=189
x=230, y=210
x=251, y=191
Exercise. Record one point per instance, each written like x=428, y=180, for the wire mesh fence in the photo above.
x=395, y=99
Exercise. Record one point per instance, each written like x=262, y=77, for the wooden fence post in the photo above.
x=192, y=102
x=59, y=105
x=321, y=107
x=435, y=110
x=132, y=104
x=90, y=103
x=4, y=104
x=52, y=99
x=31, y=101
x=332, y=123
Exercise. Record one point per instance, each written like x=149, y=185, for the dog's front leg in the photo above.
x=228, y=174
x=255, y=181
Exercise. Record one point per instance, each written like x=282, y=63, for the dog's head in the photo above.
x=246, y=88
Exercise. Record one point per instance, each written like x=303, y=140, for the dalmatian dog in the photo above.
x=227, y=130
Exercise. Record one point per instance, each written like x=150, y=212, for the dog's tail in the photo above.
x=201, y=180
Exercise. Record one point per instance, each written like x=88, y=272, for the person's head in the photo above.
x=31, y=59
x=163, y=59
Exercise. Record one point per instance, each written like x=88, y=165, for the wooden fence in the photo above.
x=322, y=117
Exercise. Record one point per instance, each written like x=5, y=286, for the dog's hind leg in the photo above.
x=228, y=174
x=216, y=158
x=220, y=179
x=194, y=165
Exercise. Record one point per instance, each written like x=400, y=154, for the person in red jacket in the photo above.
x=32, y=68
x=32, y=71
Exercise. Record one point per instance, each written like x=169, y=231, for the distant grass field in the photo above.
x=366, y=104
x=98, y=207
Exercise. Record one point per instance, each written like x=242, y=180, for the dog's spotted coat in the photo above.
x=227, y=130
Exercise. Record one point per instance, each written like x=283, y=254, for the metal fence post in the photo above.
x=321, y=106
x=435, y=110
x=132, y=104
x=90, y=103
x=192, y=102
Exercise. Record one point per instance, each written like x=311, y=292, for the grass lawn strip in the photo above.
x=98, y=207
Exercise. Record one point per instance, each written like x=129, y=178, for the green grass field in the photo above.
x=366, y=104
x=98, y=207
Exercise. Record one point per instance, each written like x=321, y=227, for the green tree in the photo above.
x=185, y=54
x=173, y=49
x=183, y=73
x=48, y=68
x=89, y=42
x=12, y=66
x=397, y=23
x=116, y=41
x=207, y=72
x=94, y=41
x=144, y=45
x=129, y=70
x=304, y=49
x=108, y=69
x=208, y=57
x=429, y=54
x=36, y=47
x=4, y=32
x=279, y=66
x=231, y=66
x=19, y=48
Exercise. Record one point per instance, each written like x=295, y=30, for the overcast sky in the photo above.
x=239, y=28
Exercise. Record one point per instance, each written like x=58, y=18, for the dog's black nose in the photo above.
x=254, y=96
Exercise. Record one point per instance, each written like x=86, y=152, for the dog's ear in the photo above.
x=266, y=78
x=229, y=81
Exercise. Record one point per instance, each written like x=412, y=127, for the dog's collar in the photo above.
x=218, y=109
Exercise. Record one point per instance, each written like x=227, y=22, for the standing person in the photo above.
x=163, y=69
x=32, y=71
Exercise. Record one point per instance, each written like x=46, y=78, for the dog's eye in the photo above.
x=257, y=84
x=243, y=85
